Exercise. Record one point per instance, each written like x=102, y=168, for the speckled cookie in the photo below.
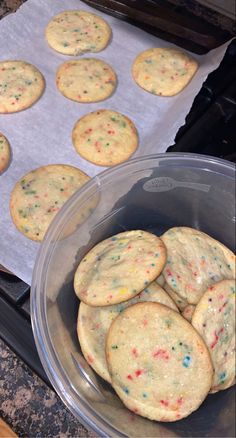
x=214, y=319
x=195, y=261
x=159, y=365
x=21, y=85
x=5, y=153
x=163, y=71
x=181, y=303
x=40, y=194
x=188, y=312
x=105, y=137
x=94, y=322
x=75, y=32
x=120, y=267
x=86, y=80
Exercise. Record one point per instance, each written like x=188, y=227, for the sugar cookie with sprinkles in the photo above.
x=21, y=85
x=214, y=319
x=180, y=302
x=163, y=71
x=86, y=80
x=40, y=194
x=94, y=322
x=170, y=374
x=5, y=153
x=105, y=137
x=74, y=32
x=118, y=268
x=195, y=261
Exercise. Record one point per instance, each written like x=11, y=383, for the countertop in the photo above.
x=27, y=404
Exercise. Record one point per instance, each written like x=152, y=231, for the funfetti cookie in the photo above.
x=94, y=322
x=5, y=153
x=40, y=194
x=75, y=31
x=86, y=80
x=159, y=365
x=214, y=319
x=21, y=85
x=105, y=137
x=195, y=261
x=118, y=268
x=163, y=71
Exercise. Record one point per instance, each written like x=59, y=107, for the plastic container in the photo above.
x=152, y=193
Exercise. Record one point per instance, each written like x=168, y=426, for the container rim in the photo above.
x=57, y=376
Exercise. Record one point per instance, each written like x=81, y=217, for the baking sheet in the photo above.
x=41, y=134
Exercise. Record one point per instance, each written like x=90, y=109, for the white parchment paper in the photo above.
x=41, y=134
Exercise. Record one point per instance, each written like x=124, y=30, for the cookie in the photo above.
x=86, y=80
x=21, y=85
x=181, y=303
x=105, y=137
x=94, y=322
x=188, y=312
x=5, y=153
x=40, y=194
x=163, y=71
x=214, y=319
x=75, y=32
x=195, y=261
x=159, y=365
x=118, y=268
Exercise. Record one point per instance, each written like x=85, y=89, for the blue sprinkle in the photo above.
x=145, y=395
x=126, y=390
x=222, y=377
x=114, y=238
x=146, y=282
x=187, y=361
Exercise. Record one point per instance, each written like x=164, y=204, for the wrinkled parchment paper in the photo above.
x=41, y=134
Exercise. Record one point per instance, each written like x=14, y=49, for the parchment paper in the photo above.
x=41, y=134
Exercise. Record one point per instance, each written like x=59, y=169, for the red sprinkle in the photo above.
x=138, y=373
x=162, y=354
x=129, y=377
x=164, y=402
x=134, y=352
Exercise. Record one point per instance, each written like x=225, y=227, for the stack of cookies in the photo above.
x=162, y=348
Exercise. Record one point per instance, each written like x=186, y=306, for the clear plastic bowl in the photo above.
x=152, y=193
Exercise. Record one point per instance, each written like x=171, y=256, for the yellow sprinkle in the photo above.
x=123, y=290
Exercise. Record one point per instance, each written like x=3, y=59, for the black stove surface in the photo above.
x=209, y=129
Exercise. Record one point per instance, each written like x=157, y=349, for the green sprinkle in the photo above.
x=114, y=347
x=30, y=192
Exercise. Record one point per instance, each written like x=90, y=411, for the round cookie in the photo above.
x=181, y=303
x=195, y=261
x=5, y=153
x=40, y=194
x=105, y=137
x=118, y=268
x=159, y=365
x=163, y=71
x=74, y=32
x=94, y=322
x=214, y=319
x=21, y=85
x=86, y=80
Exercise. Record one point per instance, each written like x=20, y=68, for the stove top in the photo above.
x=209, y=129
